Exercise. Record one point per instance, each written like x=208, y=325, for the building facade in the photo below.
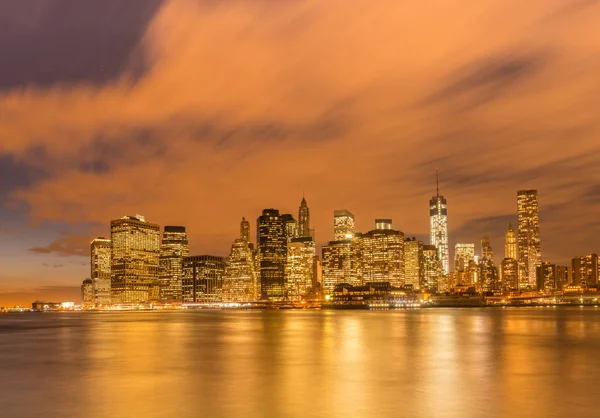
x=510, y=243
x=100, y=256
x=381, y=255
x=303, y=220
x=174, y=248
x=486, y=249
x=134, y=260
x=546, y=277
x=343, y=225
x=414, y=273
x=529, y=245
x=438, y=223
x=299, y=268
x=509, y=274
x=585, y=270
x=339, y=264
x=463, y=255
x=240, y=282
x=203, y=279
x=433, y=271
x=87, y=294
x=271, y=241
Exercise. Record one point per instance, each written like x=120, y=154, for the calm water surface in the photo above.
x=431, y=363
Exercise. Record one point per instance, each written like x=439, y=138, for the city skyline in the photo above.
x=193, y=132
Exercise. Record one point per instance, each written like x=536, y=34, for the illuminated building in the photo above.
x=343, y=225
x=585, y=270
x=271, y=241
x=303, y=220
x=432, y=269
x=339, y=264
x=546, y=277
x=488, y=275
x=510, y=243
x=245, y=230
x=529, y=248
x=290, y=226
x=299, y=267
x=383, y=224
x=239, y=277
x=100, y=250
x=87, y=293
x=173, y=249
x=562, y=277
x=134, y=260
x=438, y=222
x=381, y=255
x=202, y=279
x=486, y=249
x=413, y=263
x=463, y=255
x=509, y=274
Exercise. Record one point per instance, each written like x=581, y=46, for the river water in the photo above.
x=489, y=362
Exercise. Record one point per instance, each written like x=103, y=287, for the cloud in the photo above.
x=71, y=245
x=241, y=105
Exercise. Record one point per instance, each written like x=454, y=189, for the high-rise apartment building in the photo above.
x=240, y=282
x=203, y=279
x=174, y=248
x=463, y=255
x=562, y=277
x=134, y=260
x=413, y=263
x=87, y=293
x=509, y=274
x=546, y=277
x=339, y=264
x=438, y=222
x=303, y=220
x=245, y=230
x=271, y=241
x=486, y=249
x=100, y=250
x=381, y=255
x=585, y=270
x=529, y=247
x=510, y=243
x=343, y=225
x=299, y=267
x=432, y=269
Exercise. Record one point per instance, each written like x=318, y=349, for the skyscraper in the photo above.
x=413, y=263
x=303, y=219
x=173, y=250
x=529, y=248
x=463, y=255
x=239, y=277
x=432, y=270
x=290, y=226
x=339, y=264
x=271, y=240
x=546, y=277
x=134, y=260
x=343, y=225
x=87, y=293
x=100, y=250
x=510, y=243
x=438, y=222
x=486, y=249
x=299, y=267
x=489, y=280
x=509, y=274
x=245, y=230
x=585, y=270
x=381, y=255
x=203, y=279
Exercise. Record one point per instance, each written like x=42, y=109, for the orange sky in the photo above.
x=243, y=104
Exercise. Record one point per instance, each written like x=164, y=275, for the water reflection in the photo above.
x=442, y=363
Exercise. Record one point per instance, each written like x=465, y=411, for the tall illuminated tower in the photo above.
x=303, y=220
x=510, y=243
x=438, y=222
x=239, y=277
x=245, y=230
x=271, y=242
x=343, y=225
x=486, y=249
x=529, y=249
x=100, y=249
x=134, y=260
x=173, y=250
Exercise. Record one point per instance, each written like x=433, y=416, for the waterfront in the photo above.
x=493, y=362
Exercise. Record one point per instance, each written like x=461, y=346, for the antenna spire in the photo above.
x=437, y=181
